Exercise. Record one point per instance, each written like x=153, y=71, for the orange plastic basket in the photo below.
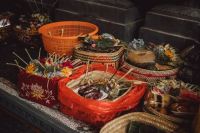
x=62, y=37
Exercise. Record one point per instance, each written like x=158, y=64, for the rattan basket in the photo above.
x=29, y=38
x=119, y=125
x=112, y=59
x=62, y=37
x=150, y=75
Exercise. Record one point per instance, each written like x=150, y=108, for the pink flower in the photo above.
x=93, y=45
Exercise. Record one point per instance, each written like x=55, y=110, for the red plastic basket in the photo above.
x=96, y=112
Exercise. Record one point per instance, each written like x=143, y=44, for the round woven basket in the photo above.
x=119, y=125
x=150, y=75
x=62, y=37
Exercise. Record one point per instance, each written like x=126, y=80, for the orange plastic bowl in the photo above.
x=62, y=37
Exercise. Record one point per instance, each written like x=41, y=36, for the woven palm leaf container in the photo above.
x=149, y=75
x=103, y=49
x=120, y=125
x=111, y=59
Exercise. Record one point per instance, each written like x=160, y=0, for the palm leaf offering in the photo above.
x=151, y=56
x=31, y=23
x=104, y=43
x=174, y=98
x=52, y=66
x=101, y=86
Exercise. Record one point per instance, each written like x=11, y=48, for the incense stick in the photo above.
x=28, y=54
x=12, y=64
x=39, y=53
x=19, y=65
x=20, y=58
x=50, y=33
x=125, y=74
x=62, y=32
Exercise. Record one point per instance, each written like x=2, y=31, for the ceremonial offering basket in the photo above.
x=62, y=37
x=29, y=38
x=150, y=75
x=96, y=112
x=119, y=125
x=112, y=59
x=38, y=89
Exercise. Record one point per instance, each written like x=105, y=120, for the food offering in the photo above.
x=151, y=62
x=38, y=80
x=26, y=29
x=5, y=26
x=105, y=49
x=99, y=93
x=173, y=100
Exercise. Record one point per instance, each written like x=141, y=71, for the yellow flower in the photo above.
x=169, y=53
x=30, y=68
x=37, y=91
x=66, y=71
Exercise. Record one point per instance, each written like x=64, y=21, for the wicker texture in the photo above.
x=166, y=117
x=62, y=37
x=112, y=59
x=150, y=75
x=119, y=125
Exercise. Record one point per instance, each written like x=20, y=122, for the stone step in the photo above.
x=157, y=36
x=175, y=19
x=122, y=31
x=102, y=9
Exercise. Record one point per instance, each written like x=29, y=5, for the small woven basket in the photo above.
x=150, y=75
x=62, y=37
x=27, y=37
x=119, y=125
x=112, y=59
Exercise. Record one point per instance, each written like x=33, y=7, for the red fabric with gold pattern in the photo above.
x=96, y=112
x=38, y=89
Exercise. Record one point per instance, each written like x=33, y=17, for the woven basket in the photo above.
x=27, y=37
x=62, y=37
x=149, y=75
x=119, y=125
x=163, y=116
x=112, y=59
